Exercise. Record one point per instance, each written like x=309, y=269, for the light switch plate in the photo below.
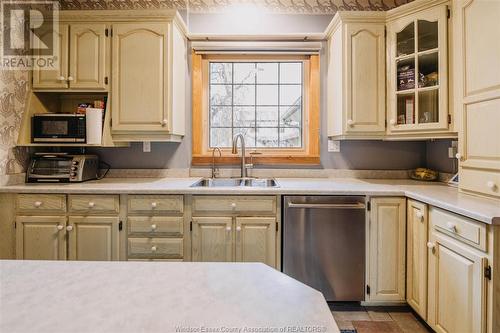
x=333, y=146
x=146, y=147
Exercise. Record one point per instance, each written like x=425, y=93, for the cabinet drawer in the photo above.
x=90, y=204
x=41, y=203
x=155, y=225
x=459, y=227
x=153, y=260
x=155, y=247
x=229, y=205
x=151, y=204
x=480, y=181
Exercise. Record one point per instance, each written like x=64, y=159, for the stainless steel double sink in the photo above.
x=236, y=182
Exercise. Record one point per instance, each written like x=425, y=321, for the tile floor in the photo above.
x=377, y=319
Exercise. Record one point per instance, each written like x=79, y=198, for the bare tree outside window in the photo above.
x=261, y=100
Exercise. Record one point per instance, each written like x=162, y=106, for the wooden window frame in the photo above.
x=308, y=154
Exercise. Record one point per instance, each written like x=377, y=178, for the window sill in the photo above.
x=282, y=159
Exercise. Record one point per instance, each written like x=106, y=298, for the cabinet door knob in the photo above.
x=238, y=228
x=37, y=203
x=491, y=185
x=60, y=227
x=392, y=122
x=164, y=122
x=153, y=248
x=233, y=205
x=350, y=122
x=458, y=156
x=61, y=78
x=420, y=216
x=451, y=226
x=153, y=227
x=91, y=204
x=70, y=78
x=69, y=228
x=228, y=228
x=154, y=204
x=431, y=245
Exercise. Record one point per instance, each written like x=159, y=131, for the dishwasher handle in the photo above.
x=358, y=205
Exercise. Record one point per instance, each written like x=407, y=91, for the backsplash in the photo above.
x=280, y=6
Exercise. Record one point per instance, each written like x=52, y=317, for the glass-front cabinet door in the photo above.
x=417, y=85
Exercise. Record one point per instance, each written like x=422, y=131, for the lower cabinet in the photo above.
x=240, y=239
x=386, y=250
x=416, y=256
x=41, y=237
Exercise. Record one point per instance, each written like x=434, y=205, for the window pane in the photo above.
x=267, y=94
x=244, y=116
x=220, y=137
x=290, y=137
x=220, y=116
x=267, y=116
x=267, y=137
x=248, y=134
x=291, y=72
x=291, y=116
x=290, y=94
x=221, y=72
x=244, y=72
x=221, y=94
x=267, y=73
x=244, y=94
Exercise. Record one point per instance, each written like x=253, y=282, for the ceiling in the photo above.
x=329, y=7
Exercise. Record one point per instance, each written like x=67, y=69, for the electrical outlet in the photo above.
x=146, y=147
x=333, y=146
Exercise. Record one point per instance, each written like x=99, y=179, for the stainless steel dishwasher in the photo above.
x=324, y=244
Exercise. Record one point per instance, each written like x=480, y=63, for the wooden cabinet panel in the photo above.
x=41, y=237
x=228, y=205
x=88, y=52
x=256, y=240
x=387, y=249
x=94, y=204
x=93, y=238
x=139, y=69
x=156, y=226
x=212, y=239
x=41, y=203
x=57, y=78
x=156, y=248
x=416, y=256
x=153, y=204
x=456, y=287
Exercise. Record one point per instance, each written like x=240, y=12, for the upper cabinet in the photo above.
x=356, y=82
x=417, y=81
x=477, y=94
x=83, y=59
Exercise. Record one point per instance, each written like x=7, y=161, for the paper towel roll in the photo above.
x=93, y=120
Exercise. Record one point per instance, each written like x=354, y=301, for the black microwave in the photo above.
x=58, y=128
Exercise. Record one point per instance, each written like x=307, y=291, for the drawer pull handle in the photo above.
x=38, y=203
x=431, y=245
x=451, y=226
x=238, y=228
x=164, y=122
x=153, y=227
x=61, y=78
x=70, y=78
x=459, y=156
x=350, y=122
x=153, y=248
x=69, y=228
x=392, y=122
x=154, y=204
x=60, y=227
x=491, y=185
x=233, y=205
x=228, y=228
x=91, y=204
x=420, y=216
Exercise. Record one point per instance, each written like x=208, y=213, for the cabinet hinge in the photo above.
x=191, y=226
x=15, y=225
x=106, y=80
x=385, y=32
x=449, y=118
x=487, y=272
x=448, y=12
x=369, y=206
x=277, y=229
x=367, y=289
x=111, y=32
x=106, y=32
x=120, y=226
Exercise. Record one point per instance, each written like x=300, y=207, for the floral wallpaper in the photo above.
x=14, y=84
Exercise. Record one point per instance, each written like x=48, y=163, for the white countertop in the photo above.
x=437, y=194
x=75, y=296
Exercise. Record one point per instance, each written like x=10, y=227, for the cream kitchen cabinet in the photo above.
x=477, y=94
x=83, y=59
x=417, y=81
x=256, y=240
x=212, y=239
x=416, y=256
x=149, y=68
x=41, y=237
x=356, y=82
x=457, y=283
x=386, y=250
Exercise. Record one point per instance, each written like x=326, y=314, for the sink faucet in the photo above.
x=215, y=171
x=235, y=151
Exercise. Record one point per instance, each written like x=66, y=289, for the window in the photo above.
x=261, y=100
x=272, y=100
